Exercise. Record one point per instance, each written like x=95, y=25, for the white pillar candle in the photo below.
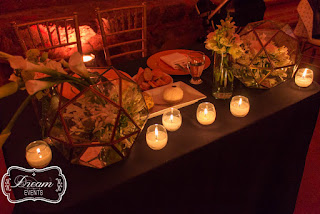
x=172, y=119
x=239, y=106
x=156, y=137
x=304, y=77
x=206, y=113
x=38, y=154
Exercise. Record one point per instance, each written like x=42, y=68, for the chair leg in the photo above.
x=314, y=52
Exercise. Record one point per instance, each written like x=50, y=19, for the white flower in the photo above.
x=14, y=78
x=34, y=67
x=17, y=62
x=33, y=86
x=77, y=66
x=54, y=65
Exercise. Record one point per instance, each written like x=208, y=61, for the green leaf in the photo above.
x=8, y=89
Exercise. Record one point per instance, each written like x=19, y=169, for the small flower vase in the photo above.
x=222, y=76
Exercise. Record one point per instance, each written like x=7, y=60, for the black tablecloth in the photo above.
x=236, y=165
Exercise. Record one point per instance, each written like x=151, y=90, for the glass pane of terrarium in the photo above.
x=89, y=118
x=125, y=127
x=109, y=156
x=88, y=156
x=112, y=90
x=288, y=30
x=247, y=29
x=261, y=61
x=278, y=55
x=124, y=76
x=288, y=48
x=133, y=102
x=111, y=74
x=67, y=92
x=277, y=76
x=77, y=153
x=244, y=74
x=252, y=48
x=124, y=146
x=265, y=35
x=59, y=138
x=57, y=131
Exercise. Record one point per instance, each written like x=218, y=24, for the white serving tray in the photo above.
x=190, y=96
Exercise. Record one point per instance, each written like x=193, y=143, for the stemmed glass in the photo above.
x=196, y=61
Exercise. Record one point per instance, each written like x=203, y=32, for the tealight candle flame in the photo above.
x=205, y=112
x=156, y=133
x=87, y=58
x=38, y=151
x=171, y=118
x=240, y=102
x=304, y=73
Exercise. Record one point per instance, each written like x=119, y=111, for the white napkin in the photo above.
x=174, y=59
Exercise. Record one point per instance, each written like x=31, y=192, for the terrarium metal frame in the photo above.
x=70, y=145
x=250, y=67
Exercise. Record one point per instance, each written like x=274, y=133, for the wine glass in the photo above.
x=196, y=61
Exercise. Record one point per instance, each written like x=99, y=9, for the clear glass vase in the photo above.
x=222, y=76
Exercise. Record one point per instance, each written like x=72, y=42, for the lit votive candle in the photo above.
x=38, y=154
x=172, y=119
x=206, y=113
x=156, y=137
x=239, y=106
x=304, y=77
x=88, y=58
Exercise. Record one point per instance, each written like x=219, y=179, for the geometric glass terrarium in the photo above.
x=98, y=125
x=271, y=54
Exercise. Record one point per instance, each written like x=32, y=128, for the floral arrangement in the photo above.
x=225, y=44
x=271, y=53
x=261, y=61
x=37, y=73
x=224, y=40
x=90, y=109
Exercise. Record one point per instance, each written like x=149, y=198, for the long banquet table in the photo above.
x=236, y=165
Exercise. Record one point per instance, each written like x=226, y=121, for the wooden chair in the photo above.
x=304, y=31
x=124, y=30
x=49, y=34
x=210, y=12
x=310, y=50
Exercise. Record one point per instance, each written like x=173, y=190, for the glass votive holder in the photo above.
x=156, y=137
x=239, y=106
x=171, y=119
x=206, y=113
x=38, y=154
x=304, y=77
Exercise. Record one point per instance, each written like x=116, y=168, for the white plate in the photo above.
x=190, y=96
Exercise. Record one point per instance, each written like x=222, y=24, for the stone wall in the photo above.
x=171, y=24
